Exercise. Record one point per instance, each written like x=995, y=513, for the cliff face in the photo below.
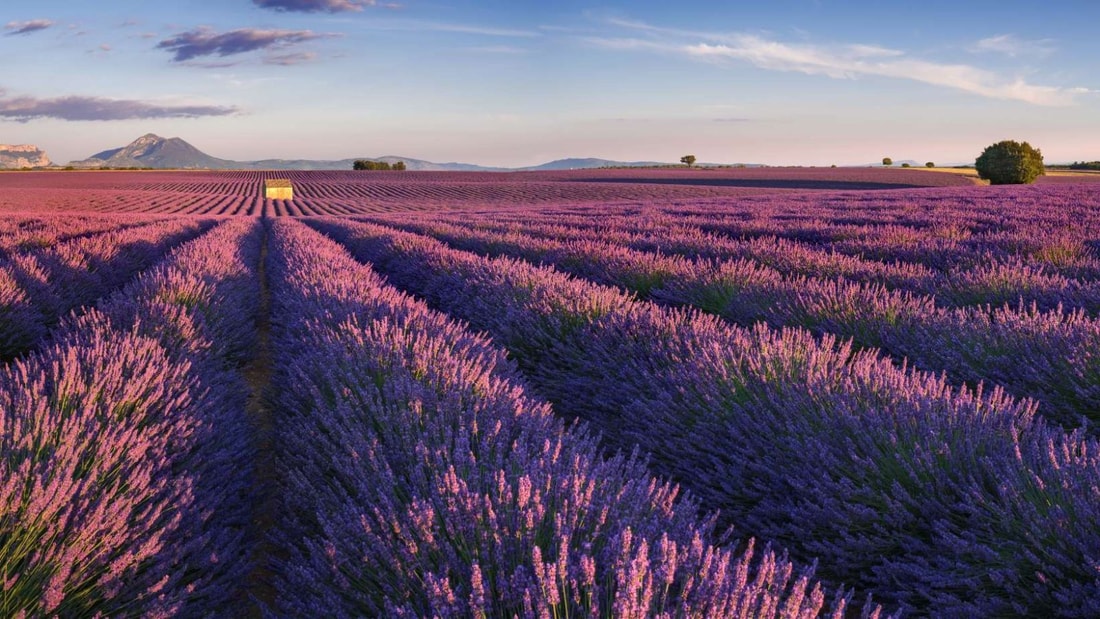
x=22, y=156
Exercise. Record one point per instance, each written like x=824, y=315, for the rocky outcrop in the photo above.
x=15, y=156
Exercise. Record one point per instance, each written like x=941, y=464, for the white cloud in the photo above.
x=851, y=61
x=414, y=25
x=1013, y=46
x=843, y=63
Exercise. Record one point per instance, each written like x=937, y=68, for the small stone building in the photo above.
x=278, y=189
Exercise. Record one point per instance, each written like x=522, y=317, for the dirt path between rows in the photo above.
x=258, y=589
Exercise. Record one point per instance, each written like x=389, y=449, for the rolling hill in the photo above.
x=153, y=151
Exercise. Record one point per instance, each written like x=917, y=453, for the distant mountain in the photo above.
x=16, y=156
x=153, y=151
x=579, y=164
x=346, y=164
x=107, y=154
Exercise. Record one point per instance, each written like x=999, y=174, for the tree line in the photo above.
x=367, y=164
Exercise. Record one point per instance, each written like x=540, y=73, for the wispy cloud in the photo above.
x=492, y=32
x=415, y=25
x=1013, y=46
x=850, y=61
x=78, y=108
x=206, y=42
x=321, y=6
x=291, y=59
x=27, y=27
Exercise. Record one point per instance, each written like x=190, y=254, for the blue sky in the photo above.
x=800, y=82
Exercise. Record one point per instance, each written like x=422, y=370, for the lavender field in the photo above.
x=604, y=393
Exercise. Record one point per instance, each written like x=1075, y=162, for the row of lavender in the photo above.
x=421, y=480
x=124, y=481
x=46, y=274
x=1048, y=356
x=1053, y=272
x=966, y=246
x=416, y=476
x=336, y=192
x=945, y=501
x=979, y=276
x=22, y=233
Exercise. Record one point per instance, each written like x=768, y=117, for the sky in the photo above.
x=516, y=83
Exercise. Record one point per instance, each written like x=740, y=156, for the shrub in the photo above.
x=905, y=165
x=1010, y=163
x=929, y=165
x=367, y=164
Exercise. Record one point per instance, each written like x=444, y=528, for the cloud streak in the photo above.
x=291, y=59
x=835, y=61
x=206, y=42
x=1012, y=46
x=318, y=6
x=26, y=27
x=79, y=108
x=414, y=25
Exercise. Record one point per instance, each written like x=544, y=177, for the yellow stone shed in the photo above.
x=278, y=189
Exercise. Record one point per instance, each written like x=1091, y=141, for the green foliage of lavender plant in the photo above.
x=126, y=460
x=449, y=491
x=895, y=480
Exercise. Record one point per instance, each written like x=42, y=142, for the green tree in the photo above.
x=887, y=161
x=399, y=166
x=906, y=165
x=930, y=165
x=688, y=160
x=367, y=164
x=1010, y=163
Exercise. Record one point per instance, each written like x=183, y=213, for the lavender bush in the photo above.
x=126, y=461
x=40, y=285
x=949, y=502
x=1042, y=355
x=423, y=481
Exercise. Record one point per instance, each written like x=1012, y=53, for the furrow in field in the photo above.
x=422, y=480
x=1042, y=355
x=1029, y=266
x=39, y=286
x=878, y=472
x=127, y=454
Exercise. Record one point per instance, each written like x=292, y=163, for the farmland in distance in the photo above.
x=349, y=193
x=613, y=392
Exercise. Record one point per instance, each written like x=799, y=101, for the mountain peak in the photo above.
x=153, y=151
x=148, y=138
